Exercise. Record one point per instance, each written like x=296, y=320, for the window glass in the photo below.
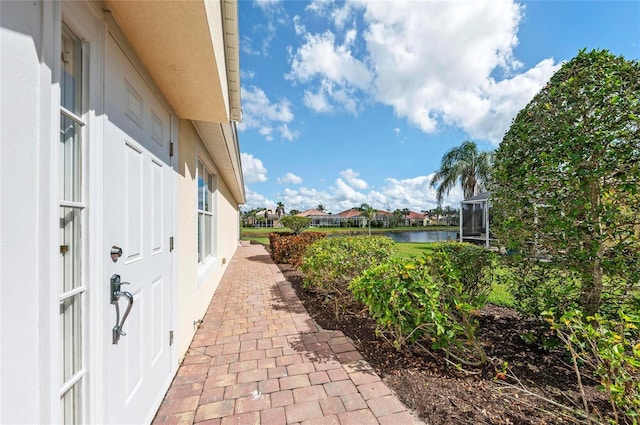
x=206, y=186
x=70, y=159
x=70, y=334
x=71, y=291
x=70, y=248
x=71, y=72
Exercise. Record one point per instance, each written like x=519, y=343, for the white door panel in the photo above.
x=137, y=218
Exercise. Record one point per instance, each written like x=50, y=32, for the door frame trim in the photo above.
x=111, y=29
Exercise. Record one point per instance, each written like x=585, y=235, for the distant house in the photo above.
x=351, y=218
x=416, y=219
x=264, y=218
x=321, y=218
x=354, y=218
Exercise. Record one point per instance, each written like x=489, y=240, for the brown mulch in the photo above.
x=535, y=384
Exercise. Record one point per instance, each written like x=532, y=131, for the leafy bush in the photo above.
x=473, y=266
x=540, y=287
x=296, y=223
x=425, y=300
x=612, y=350
x=564, y=185
x=289, y=248
x=330, y=264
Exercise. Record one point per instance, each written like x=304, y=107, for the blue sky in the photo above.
x=357, y=101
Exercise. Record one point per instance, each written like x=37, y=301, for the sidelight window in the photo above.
x=72, y=210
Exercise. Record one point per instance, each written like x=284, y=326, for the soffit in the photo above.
x=174, y=40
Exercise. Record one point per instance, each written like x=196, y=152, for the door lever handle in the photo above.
x=116, y=293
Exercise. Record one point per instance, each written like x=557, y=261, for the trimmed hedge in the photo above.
x=330, y=264
x=289, y=248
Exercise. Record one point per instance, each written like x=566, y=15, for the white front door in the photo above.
x=138, y=220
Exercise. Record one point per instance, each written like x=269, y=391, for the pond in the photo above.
x=422, y=236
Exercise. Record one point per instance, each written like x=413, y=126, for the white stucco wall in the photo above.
x=29, y=125
x=197, y=283
x=25, y=210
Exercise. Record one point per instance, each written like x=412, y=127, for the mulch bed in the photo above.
x=536, y=383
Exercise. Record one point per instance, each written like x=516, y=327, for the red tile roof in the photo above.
x=352, y=213
x=309, y=213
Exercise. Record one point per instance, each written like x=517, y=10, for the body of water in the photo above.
x=420, y=236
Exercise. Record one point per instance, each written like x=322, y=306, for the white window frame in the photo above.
x=79, y=206
x=206, y=237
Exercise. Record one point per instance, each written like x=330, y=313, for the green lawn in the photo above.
x=499, y=293
x=413, y=249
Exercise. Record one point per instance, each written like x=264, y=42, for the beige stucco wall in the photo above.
x=197, y=283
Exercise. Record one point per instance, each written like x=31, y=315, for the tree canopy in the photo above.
x=565, y=180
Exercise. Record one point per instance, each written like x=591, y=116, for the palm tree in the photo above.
x=369, y=213
x=405, y=213
x=466, y=165
x=320, y=207
x=280, y=209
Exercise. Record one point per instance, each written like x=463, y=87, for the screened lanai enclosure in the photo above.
x=475, y=218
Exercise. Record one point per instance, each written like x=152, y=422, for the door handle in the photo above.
x=116, y=293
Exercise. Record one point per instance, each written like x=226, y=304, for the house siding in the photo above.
x=25, y=211
x=197, y=283
x=29, y=221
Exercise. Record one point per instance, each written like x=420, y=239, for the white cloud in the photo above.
x=320, y=56
x=286, y=133
x=255, y=200
x=317, y=102
x=332, y=69
x=260, y=114
x=449, y=76
x=416, y=194
x=297, y=26
x=433, y=62
x=253, y=169
x=247, y=47
x=289, y=178
x=348, y=191
x=247, y=75
x=352, y=178
x=267, y=3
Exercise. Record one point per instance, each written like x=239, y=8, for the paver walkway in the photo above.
x=259, y=358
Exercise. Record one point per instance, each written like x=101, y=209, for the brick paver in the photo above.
x=259, y=358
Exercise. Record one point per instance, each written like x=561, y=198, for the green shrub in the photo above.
x=330, y=264
x=296, y=223
x=612, y=350
x=289, y=248
x=471, y=264
x=541, y=287
x=420, y=301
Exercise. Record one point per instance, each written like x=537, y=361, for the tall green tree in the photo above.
x=463, y=165
x=565, y=186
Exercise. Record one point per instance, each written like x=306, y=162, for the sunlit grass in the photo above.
x=499, y=294
x=407, y=250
